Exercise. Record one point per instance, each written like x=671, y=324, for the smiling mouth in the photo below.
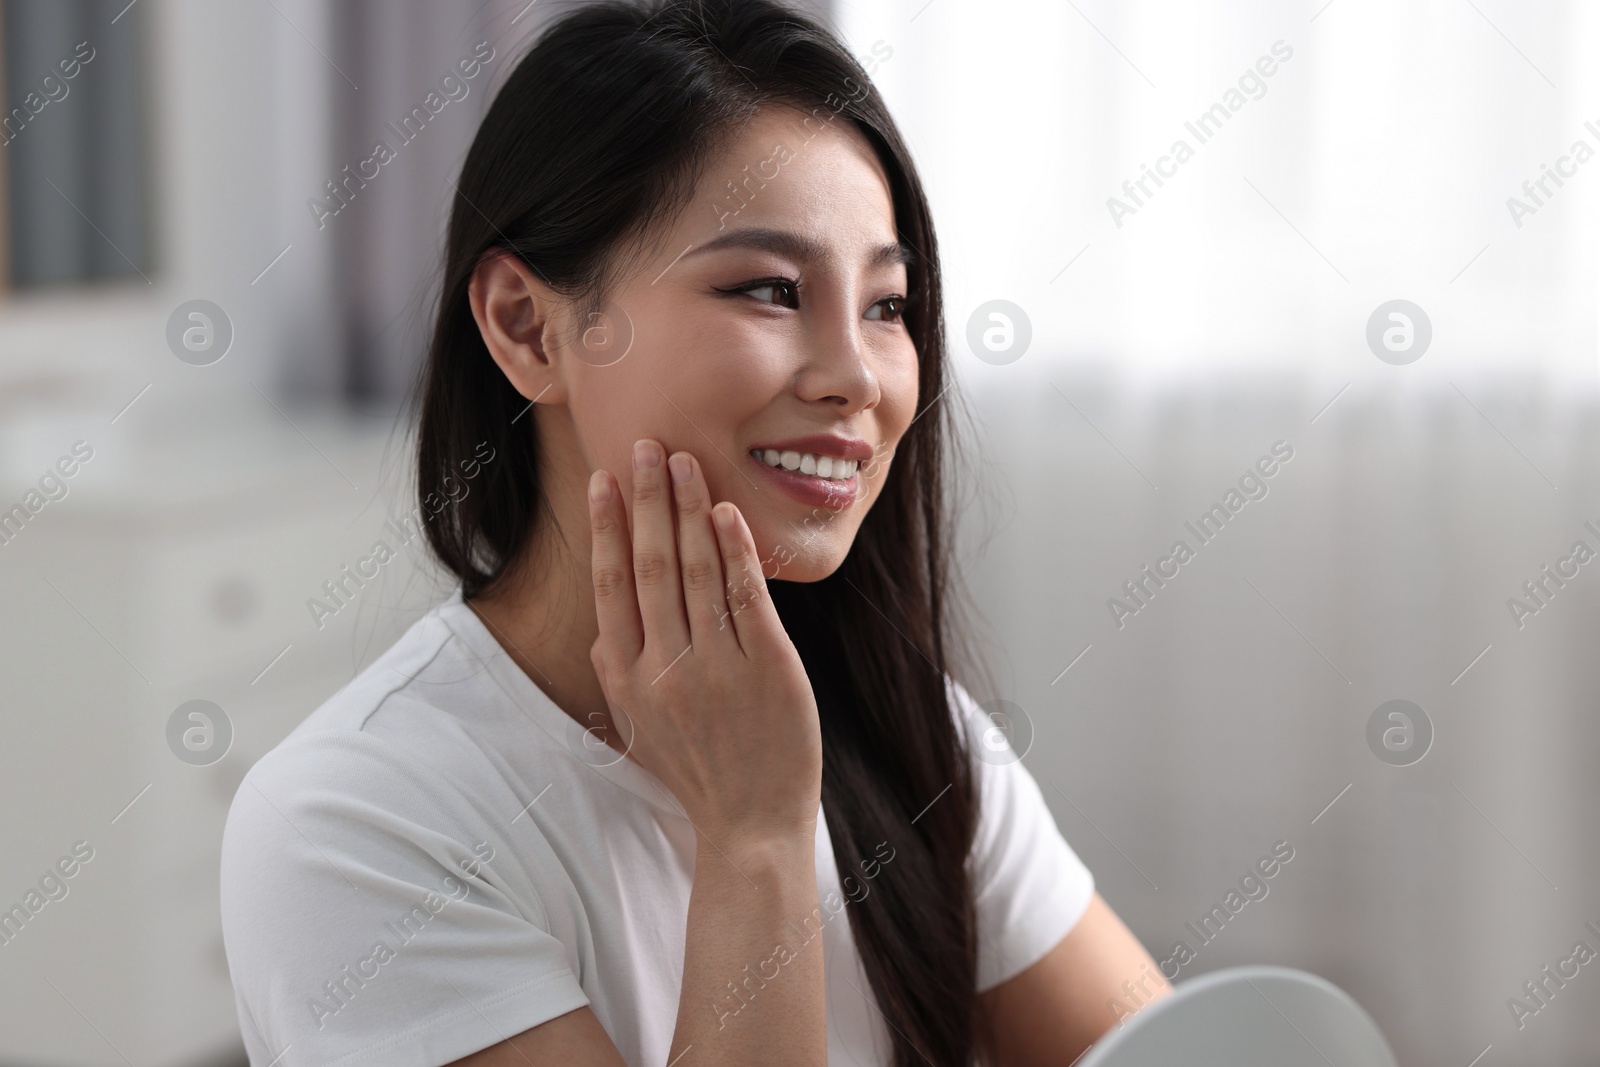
x=823, y=468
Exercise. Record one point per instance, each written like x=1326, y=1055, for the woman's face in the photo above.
x=767, y=326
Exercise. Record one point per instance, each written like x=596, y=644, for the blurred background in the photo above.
x=1375, y=252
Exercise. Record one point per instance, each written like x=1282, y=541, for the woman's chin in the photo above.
x=811, y=564
x=795, y=573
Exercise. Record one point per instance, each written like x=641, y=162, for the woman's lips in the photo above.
x=809, y=489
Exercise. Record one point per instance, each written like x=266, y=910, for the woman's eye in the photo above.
x=786, y=293
x=889, y=309
x=777, y=291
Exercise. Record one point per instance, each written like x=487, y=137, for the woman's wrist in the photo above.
x=765, y=849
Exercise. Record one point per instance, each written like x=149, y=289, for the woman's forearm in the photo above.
x=753, y=988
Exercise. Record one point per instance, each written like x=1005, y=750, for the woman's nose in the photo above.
x=839, y=365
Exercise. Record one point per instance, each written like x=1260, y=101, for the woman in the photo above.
x=677, y=775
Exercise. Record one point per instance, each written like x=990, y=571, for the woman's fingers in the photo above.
x=611, y=559
x=655, y=553
x=753, y=616
x=699, y=559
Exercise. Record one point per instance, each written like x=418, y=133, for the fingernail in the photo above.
x=645, y=454
x=723, y=516
x=678, y=463
x=599, y=487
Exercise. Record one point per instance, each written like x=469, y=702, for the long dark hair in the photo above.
x=599, y=134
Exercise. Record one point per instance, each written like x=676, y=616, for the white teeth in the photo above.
x=828, y=467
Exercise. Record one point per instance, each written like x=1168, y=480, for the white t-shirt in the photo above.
x=435, y=861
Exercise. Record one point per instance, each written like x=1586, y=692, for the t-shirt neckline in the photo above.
x=560, y=727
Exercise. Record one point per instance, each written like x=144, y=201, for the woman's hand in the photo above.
x=692, y=653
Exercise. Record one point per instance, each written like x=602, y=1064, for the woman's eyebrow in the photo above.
x=799, y=247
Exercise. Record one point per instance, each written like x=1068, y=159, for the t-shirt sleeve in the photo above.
x=365, y=919
x=1029, y=886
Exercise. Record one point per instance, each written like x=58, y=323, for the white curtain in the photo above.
x=1227, y=313
x=1232, y=709
x=1376, y=165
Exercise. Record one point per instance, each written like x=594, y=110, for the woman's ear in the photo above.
x=517, y=313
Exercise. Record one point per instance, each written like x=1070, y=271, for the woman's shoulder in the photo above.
x=1029, y=885
x=410, y=674
x=436, y=685
x=410, y=745
x=390, y=814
